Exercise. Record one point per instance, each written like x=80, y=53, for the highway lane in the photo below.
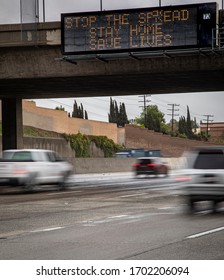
x=80, y=183
x=107, y=218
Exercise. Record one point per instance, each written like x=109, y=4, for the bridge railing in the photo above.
x=218, y=38
x=29, y=34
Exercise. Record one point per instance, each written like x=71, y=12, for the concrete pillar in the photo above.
x=12, y=123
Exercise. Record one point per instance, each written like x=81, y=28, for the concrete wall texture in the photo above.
x=131, y=136
x=137, y=137
x=81, y=165
x=87, y=165
x=58, y=121
x=215, y=129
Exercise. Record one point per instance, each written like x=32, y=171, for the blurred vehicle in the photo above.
x=122, y=155
x=130, y=153
x=153, y=153
x=31, y=167
x=137, y=153
x=150, y=166
x=202, y=178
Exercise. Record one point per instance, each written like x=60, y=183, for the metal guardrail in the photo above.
x=28, y=34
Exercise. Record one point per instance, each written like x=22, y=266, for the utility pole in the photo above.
x=43, y=10
x=144, y=106
x=160, y=3
x=101, y=5
x=173, y=113
x=207, y=121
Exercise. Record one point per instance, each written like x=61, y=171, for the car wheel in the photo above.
x=157, y=173
x=30, y=183
x=214, y=207
x=63, y=184
x=190, y=205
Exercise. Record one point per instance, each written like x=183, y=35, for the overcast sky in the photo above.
x=200, y=104
x=10, y=9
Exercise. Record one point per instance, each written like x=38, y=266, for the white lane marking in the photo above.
x=136, y=194
x=117, y=217
x=122, y=218
x=106, y=220
x=166, y=208
x=59, y=193
x=204, y=233
x=46, y=229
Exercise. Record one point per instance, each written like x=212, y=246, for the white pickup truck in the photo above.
x=32, y=167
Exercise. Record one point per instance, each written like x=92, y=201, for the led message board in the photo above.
x=138, y=29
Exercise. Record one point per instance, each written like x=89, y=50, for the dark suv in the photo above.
x=150, y=166
x=204, y=176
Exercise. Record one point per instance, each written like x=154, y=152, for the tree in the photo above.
x=189, y=132
x=186, y=126
x=60, y=108
x=75, y=110
x=118, y=116
x=195, y=125
x=152, y=119
x=81, y=112
x=116, y=112
x=122, y=116
x=78, y=111
x=111, y=115
x=86, y=115
x=182, y=126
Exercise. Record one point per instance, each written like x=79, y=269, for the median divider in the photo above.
x=113, y=165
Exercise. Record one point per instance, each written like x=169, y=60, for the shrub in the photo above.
x=80, y=143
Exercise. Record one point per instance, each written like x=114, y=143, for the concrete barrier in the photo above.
x=88, y=165
x=110, y=165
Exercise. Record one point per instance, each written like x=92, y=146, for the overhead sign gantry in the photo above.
x=138, y=29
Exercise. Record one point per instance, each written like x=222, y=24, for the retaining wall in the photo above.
x=137, y=137
x=108, y=165
x=58, y=121
x=87, y=165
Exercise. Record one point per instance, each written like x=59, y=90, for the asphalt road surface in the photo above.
x=103, y=217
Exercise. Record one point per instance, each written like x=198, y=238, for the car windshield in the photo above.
x=210, y=159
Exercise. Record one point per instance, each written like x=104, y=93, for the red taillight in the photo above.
x=183, y=178
x=135, y=164
x=19, y=172
x=19, y=169
x=152, y=165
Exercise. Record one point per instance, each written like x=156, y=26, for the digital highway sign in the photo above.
x=138, y=29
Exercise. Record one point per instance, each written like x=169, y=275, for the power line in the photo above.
x=71, y=106
x=182, y=107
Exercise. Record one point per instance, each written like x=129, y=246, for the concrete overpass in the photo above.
x=32, y=66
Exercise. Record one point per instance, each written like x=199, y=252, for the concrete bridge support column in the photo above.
x=12, y=123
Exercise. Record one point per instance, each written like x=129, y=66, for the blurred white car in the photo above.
x=202, y=178
x=32, y=167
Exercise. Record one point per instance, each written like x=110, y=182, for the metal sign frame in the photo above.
x=205, y=21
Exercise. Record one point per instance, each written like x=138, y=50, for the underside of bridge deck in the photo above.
x=112, y=85
x=41, y=72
